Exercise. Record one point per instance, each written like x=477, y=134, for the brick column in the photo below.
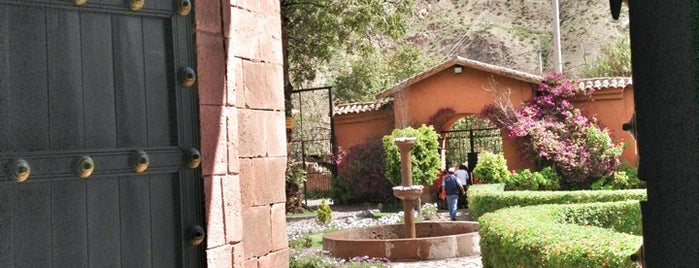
x=242, y=131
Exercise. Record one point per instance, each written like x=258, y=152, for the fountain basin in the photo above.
x=408, y=192
x=435, y=240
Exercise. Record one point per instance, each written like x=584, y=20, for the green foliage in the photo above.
x=318, y=194
x=626, y=220
x=344, y=191
x=547, y=179
x=483, y=202
x=361, y=175
x=317, y=258
x=295, y=175
x=561, y=236
x=491, y=168
x=324, y=213
x=316, y=31
x=625, y=178
x=615, y=60
x=369, y=74
x=425, y=158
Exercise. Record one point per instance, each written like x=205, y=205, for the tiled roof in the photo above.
x=456, y=60
x=360, y=107
x=604, y=82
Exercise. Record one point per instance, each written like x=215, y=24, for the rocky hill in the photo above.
x=516, y=33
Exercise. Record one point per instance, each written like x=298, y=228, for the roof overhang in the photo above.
x=464, y=62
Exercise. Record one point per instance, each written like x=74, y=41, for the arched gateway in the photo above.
x=462, y=87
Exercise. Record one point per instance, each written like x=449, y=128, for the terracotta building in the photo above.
x=466, y=86
x=142, y=134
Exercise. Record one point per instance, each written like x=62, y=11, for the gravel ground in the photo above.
x=351, y=217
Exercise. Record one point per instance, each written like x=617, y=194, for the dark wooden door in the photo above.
x=97, y=80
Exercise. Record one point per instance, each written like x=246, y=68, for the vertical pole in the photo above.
x=303, y=149
x=470, y=139
x=333, y=139
x=557, y=59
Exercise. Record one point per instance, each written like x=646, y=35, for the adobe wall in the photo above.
x=613, y=107
x=471, y=86
x=243, y=142
x=467, y=93
x=355, y=129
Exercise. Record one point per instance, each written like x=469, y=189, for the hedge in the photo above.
x=576, y=235
x=483, y=200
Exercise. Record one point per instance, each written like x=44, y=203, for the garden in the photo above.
x=578, y=208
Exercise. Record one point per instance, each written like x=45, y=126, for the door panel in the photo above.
x=69, y=198
x=25, y=92
x=65, y=99
x=97, y=80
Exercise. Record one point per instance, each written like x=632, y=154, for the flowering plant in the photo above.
x=559, y=134
x=361, y=175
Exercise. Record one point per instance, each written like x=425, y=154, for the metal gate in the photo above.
x=464, y=145
x=313, y=138
x=98, y=135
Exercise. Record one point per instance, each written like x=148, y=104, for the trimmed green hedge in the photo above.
x=554, y=235
x=481, y=201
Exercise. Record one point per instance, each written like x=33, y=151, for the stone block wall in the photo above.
x=243, y=142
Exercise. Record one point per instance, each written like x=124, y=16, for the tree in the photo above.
x=366, y=75
x=424, y=155
x=314, y=31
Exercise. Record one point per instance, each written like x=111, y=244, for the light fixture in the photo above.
x=458, y=69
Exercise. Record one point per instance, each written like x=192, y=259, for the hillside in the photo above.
x=510, y=33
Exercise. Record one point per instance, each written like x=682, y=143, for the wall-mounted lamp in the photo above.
x=458, y=69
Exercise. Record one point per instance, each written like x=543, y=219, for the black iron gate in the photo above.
x=98, y=135
x=313, y=138
x=465, y=144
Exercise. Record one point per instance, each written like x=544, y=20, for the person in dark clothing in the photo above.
x=451, y=187
x=464, y=178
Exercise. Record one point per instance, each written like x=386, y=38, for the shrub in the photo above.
x=361, y=176
x=484, y=202
x=527, y=180
x=295, y=177
x=557, y=133
x=324, y=214
x=491, y=168
x=425, y=158
x=615, y=60
x=625, y=179
x=560, y=236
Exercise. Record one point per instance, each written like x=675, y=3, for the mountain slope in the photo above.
x=511, y=33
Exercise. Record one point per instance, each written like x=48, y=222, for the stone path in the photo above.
x=463, y=262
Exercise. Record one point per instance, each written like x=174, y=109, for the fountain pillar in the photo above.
x=407, y=192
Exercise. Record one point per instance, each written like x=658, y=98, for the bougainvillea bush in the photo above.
x=558, y=134
x=424, y=155
x=361, y=175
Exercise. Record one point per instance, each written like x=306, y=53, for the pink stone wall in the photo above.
x=243, y=143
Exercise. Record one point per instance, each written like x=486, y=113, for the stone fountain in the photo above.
x=426, y=240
